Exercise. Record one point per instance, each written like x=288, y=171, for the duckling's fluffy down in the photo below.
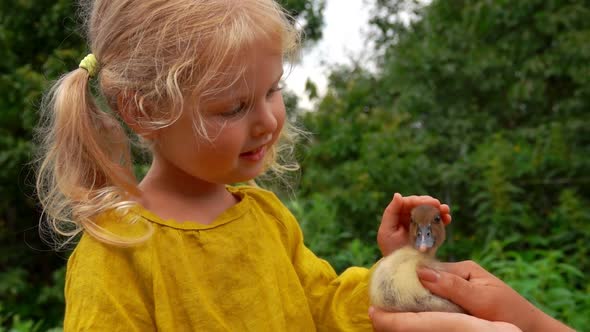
x=395, y=285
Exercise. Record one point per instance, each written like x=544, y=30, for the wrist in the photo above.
x=541, y=322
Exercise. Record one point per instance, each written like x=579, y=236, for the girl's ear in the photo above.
x=133, y=116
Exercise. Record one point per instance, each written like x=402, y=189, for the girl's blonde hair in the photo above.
x=154, y=55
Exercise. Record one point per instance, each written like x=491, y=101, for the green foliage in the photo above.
x=484, y=105
x=16, y=324
x=42, y=305
x=533, y=274
x=328, y=237
x=37, y=41
x=311, y=12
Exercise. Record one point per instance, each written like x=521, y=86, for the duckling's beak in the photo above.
x=424, y=238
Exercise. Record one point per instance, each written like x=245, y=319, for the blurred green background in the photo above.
x=483, y=104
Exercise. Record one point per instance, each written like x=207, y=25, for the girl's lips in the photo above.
x=254, y=155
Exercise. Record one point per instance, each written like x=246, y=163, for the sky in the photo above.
x=343, y=36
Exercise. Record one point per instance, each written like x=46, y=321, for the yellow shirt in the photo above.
x=247, y=271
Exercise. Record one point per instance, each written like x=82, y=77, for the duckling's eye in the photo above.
x=437, y=219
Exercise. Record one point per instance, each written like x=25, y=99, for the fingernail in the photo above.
x=427, y=274
x=371, y=311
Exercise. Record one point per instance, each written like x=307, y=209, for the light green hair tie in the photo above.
x=90, y=64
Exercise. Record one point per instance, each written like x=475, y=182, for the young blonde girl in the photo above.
x=197, y=82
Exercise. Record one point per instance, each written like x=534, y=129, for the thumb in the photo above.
x=392, y=234
x=390, y=219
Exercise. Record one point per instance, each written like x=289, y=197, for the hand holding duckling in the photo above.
x=496, y=308
x=395, y=223
x=384, y=321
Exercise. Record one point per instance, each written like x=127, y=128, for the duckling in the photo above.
x=395, y=285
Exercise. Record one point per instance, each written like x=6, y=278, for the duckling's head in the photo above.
x=427, y=231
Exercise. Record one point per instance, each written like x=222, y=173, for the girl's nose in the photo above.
x=265, y=120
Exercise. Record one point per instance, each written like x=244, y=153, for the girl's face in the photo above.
x=242, y=124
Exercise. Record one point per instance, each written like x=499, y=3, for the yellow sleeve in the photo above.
x=338, y=302
x=107, y=289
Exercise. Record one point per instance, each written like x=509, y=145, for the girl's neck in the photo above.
x=173, y=194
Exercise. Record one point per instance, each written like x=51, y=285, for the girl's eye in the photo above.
x=235, y=111
x=273, y=90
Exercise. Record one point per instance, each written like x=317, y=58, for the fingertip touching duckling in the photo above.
x=395, y=285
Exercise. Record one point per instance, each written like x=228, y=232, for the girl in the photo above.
x=183, y=250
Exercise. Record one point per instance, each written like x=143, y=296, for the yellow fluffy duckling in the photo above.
x=395, y=285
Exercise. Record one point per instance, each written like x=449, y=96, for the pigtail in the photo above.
x=84, y=163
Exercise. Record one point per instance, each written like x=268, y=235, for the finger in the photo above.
x=445, y=212
x=465, y=269
x=424, y=322
x=390, y=219
x=451, y=287
x=429, y=200
x=505, y=327
x=411, y=202
x=447, y=219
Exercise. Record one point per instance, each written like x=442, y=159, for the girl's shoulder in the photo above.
x=256, y=193
x=268, y=209
x=262, y=198
x=266, y=202
x=120, y=241
x=126, y=223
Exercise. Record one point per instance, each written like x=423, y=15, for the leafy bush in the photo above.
x=30, y=307
x=482, y=104
x=327, y=237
